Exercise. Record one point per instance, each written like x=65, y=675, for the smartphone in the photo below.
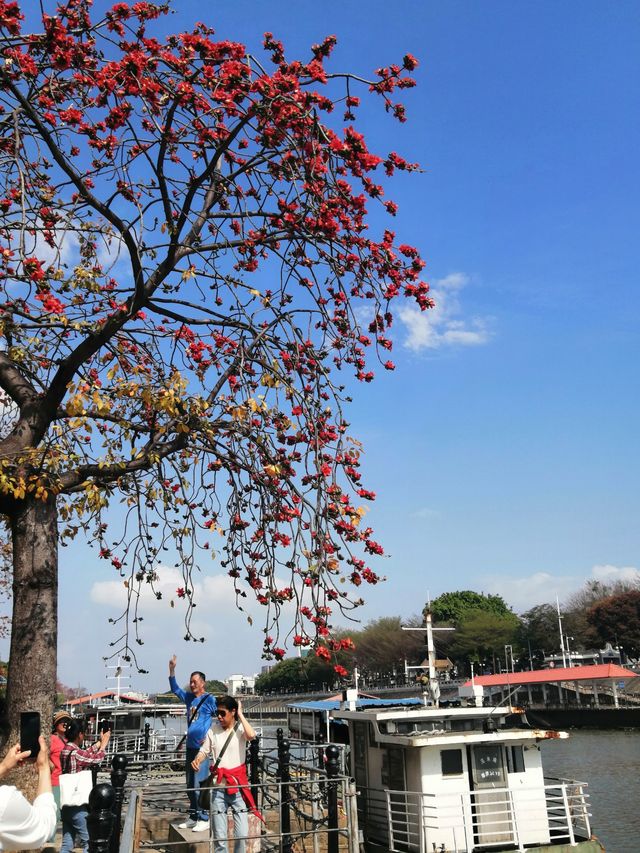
x=105, y=726
x=30, y=732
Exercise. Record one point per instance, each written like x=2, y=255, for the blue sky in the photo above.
x=504, y=447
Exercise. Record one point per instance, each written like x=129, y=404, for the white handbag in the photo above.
x=75, y=788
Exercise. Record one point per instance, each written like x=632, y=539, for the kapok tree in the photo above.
x=184, y=247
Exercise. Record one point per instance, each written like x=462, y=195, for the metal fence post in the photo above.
x=321, y=766
x=146, y=744
x=284, y=776
x=100, y=818
x=254, y=766
x=333, y=768
x=118, y=779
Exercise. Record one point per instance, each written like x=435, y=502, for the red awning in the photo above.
x=104, y=694
x=595, y=672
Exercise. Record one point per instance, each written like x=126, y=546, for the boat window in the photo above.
x=515, y=759
x=465, y=725
x=392, y=769
x=451, y=761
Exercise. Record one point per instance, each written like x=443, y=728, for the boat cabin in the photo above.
x=457, y=779
x=315, y=720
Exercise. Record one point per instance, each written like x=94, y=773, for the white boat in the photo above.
x=457, y=779
x=460, y=779
x=137, y=725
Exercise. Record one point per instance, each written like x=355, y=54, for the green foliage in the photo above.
x=539, y=629
x=217, y=688
x=482, y=634
x=616, y=620
x=167, y=698
x=455, y=607
x=303, y=674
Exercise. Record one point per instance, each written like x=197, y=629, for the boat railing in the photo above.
x=555, y=813
x=135, y=743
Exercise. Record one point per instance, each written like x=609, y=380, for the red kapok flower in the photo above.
x=323, y=653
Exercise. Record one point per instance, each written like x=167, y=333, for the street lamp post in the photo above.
x=508, y=653
x=566, y=641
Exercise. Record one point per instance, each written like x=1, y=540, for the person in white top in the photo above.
x=233, y=729
x=24, y=826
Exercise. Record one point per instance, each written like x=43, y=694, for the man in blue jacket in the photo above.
x=201, y=707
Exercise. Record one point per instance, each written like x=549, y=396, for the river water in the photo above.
x=610, y=763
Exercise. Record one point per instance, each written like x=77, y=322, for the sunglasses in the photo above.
x=221, y=713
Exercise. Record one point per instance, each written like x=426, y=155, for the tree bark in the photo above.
x=34, y=629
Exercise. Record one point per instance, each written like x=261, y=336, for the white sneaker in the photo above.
x=201, y=826
x=187, y=824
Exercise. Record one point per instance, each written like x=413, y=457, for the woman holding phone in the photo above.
x=74, y=759
x=24, y=826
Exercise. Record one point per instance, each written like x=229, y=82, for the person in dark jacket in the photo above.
x=201, y=708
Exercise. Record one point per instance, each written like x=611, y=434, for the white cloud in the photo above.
x=542, y=587
x=114, y=593
x=442, y=326
x=539, y=588
x=233, y=644
x=65, y=251
x=613, y=574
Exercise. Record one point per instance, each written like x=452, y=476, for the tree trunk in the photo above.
x=34, y=627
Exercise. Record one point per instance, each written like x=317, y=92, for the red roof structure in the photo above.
x=594, y=672
x=104, y=694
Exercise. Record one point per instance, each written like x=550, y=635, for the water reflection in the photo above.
x=610, y=763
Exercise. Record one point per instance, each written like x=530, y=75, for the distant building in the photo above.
x=239, y=684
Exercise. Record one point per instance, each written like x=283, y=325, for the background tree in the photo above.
x=215, y=686
x=538, y=632
x=454, y=607
x=303, y=674
x=482, y=635
x=382, y=645
x=183, y=243
x=616, y=620
x=576, y=608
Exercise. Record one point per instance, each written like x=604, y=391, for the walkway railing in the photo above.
x=489, y=818
x=300, y=789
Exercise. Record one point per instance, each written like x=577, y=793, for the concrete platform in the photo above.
x=187, y=841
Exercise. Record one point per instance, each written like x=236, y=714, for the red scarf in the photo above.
x=235, y=779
